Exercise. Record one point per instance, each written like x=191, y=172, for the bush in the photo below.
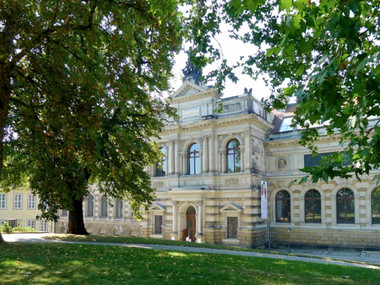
x=6, y=228
x=23, y=229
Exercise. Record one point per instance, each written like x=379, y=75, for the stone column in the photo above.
x=242, y=154
x=199, y=233
x=205, y=155
x=220, y=163
x=248, y=150
x=171, y=157
x=184, y=162
x=174, y=234
x=212, y=154
x=224, y=161
x=176, y=157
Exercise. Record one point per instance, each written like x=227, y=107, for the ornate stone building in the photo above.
x=209, y=182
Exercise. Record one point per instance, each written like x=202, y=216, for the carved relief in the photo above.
x=282, y=163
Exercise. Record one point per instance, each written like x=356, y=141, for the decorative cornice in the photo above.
x=220, y=122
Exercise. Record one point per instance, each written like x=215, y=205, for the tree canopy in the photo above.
x=323, y=53
x=80, y=96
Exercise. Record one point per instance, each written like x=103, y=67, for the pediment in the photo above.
x=188, y=88
x=231, y=207
x=157, y=207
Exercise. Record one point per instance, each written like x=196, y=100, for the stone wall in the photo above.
x=326, y=237
x=126, y=228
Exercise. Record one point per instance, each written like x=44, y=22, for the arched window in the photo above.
x=118, y=209
x=193, y=157
x=161, y=165
x=233, y=156
x=90, y=206
x=345, y=206
x=283, y=207
x=375, y=205
x=103, y=207
x=313, y=212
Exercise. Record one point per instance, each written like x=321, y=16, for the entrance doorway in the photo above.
x=189, y=231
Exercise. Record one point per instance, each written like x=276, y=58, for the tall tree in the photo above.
x=326, y=54
x=78, y=77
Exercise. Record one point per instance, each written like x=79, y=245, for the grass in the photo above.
x=55, y=263
x=140, y=240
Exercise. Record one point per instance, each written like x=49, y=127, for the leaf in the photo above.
x=285, y=5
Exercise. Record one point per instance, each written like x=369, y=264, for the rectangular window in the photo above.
x=31, y=223
x=17, y=201
x=232, y=226
x=43, y=226
x=31, y=202
x=119, y=209
x=158, y=224
x=3, y=201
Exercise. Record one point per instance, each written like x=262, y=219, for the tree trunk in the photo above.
x=5, y=94
x=2, y=241
x=76, y=224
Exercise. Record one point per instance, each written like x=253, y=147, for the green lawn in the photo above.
x=34, y=263
x=141, y=240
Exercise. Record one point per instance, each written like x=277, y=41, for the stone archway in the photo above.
x=188, y=234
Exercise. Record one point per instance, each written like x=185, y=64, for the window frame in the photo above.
x=377, y=197
x=17, y=206
x=3, y=201
x=276, y=200
x=33, y=221
x=337, y=212
x=313, y=199
x=88, y=202
x=103, y=206
x=233, y=152
x=33, y=202
x=44, y=224
x=155, y=232
x=235, y=236
x=119, y=208
x=192, y=158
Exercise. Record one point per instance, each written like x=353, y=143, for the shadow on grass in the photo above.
x=53, y=263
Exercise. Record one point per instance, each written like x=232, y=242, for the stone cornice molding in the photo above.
x=221, y=122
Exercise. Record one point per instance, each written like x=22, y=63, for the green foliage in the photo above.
x=85, y=79
x=326, y=54
x=6, y=228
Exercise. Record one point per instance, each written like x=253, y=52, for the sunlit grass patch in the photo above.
x=53, y=263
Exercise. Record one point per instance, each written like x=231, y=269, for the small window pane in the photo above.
x=232, y=226
x=64, y=213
